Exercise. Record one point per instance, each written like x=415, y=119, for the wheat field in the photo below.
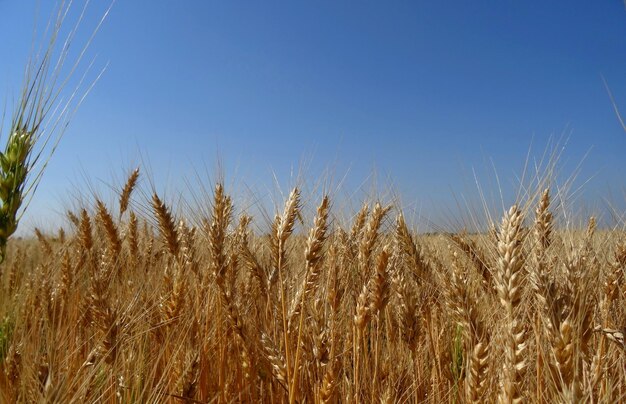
x=147, y=301
x=132, y=303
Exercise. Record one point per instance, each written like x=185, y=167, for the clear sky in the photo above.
x=417, y=91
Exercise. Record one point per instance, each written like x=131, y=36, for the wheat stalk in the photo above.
x=312, y=257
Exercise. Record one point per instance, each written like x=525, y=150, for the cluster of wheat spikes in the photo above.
x=153, y=307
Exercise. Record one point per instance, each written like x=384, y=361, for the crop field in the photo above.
x=128, y=307
x=143, y=298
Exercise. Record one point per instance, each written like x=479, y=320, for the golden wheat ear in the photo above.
x=128, y=189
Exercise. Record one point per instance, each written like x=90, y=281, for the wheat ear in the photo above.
x=44, y=244
x=110, y=229
x=313, y=259
x=131, y=182
x=167, y=225
x=406, y=244
x=370, y=236
x=509, y=287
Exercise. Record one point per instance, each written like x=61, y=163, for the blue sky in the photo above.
x=421, y=92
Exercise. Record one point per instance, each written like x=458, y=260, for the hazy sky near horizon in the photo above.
x=420, y=92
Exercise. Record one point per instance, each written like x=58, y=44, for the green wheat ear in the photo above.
x=14, y=169
x=40, y=117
